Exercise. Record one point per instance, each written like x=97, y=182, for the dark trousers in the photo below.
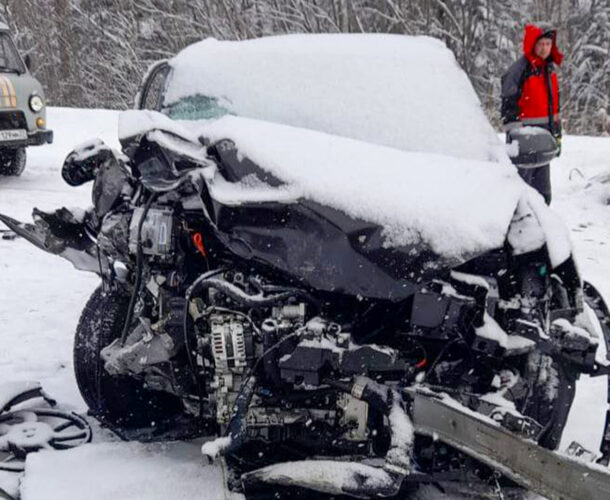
x=540, y=179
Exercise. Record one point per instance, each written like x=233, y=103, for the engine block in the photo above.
x=233, y=349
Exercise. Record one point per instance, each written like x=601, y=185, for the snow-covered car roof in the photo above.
x=399, y=91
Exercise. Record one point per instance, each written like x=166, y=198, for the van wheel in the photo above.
x=118, y=401
x=12, y=161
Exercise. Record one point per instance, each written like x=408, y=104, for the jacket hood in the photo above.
x=531, y=36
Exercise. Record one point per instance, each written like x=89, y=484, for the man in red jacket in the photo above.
x=530, y=95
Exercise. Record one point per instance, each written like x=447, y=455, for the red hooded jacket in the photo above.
x=530, y=90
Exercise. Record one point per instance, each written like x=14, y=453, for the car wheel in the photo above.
x=118, y=401
x=550, y=396
x=12, y=161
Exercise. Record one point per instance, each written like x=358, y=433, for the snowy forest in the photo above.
x=93, y=53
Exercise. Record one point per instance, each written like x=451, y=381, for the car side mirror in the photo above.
x=150, y=95
x=28, y=62
x=531, y=147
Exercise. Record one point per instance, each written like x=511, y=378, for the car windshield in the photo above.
x=389, y=90
x=196, y=107
x=9, y=57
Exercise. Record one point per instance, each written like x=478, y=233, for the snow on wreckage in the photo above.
x=457, y=207
x=242, y=184
x=452, y=186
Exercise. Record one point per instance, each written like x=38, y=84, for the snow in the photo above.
x=41, y=297
x=587, y=320
x=517, y=344
x=27, y=433
x=512, y=149
x=11, y=389
x=498, y=399
x=348, y=85
x=125, y=471
x=402, y=436
x=321, y=343
x=534, y=224
x=525, y=234
x=557, y=237
x=579, y=198
x=456, y=207
x=574, y=337
x=492, y=331
x=470, y=279
x=214, y=448
x=332, y=477
x=401, y=425
x=134, y=123
x=9, y=483
x=514, y=344
x=251, y=190
x=88, y=149
x=527, y=130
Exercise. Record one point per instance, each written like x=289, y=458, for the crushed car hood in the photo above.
x=455, y=208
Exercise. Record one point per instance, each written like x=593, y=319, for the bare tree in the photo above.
x=93, y=53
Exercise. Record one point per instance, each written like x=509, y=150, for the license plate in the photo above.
x=13, y=135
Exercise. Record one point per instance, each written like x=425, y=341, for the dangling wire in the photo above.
x=496, y=476
x=139, y=265
x=189, y=355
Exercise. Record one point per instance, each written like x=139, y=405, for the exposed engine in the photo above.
x=215, y=317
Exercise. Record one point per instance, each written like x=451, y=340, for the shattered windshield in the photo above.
x=196, y=107
x=9, y=57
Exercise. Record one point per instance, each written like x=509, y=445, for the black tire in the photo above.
x=12, y=161
x=120, y=402
x=552, y=387
x=549, y=383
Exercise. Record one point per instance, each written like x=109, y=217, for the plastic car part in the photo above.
x=536, y=146
x=548, y=473
x=26, y=426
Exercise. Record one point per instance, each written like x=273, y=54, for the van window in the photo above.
x=9, y=57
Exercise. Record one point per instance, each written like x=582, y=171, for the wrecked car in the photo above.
x=318, y=271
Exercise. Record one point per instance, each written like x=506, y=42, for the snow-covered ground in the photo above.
x=582, y=199
x=41, y=297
